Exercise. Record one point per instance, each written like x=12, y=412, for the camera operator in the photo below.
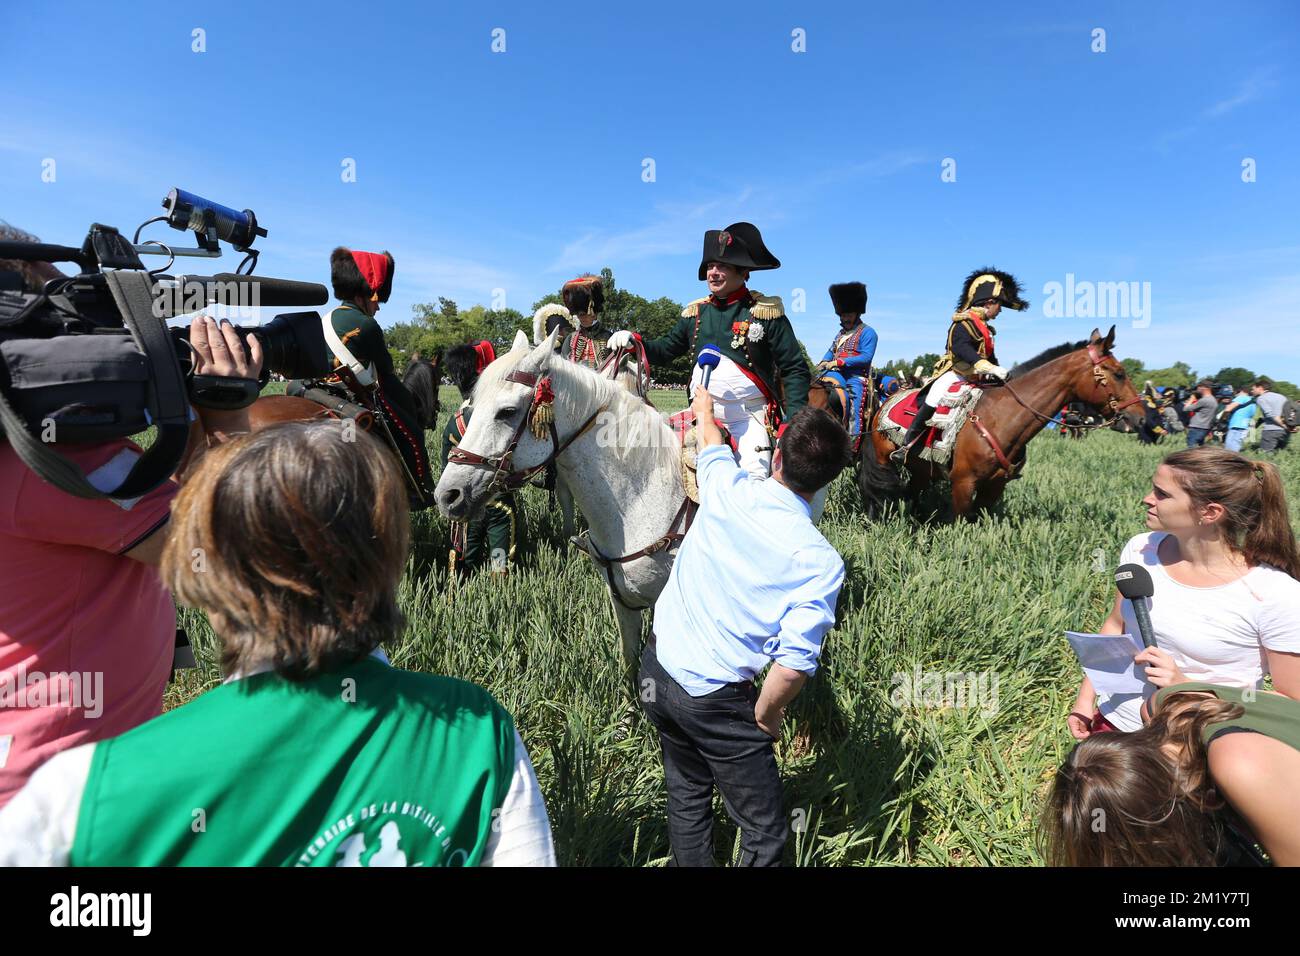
x=87, y=629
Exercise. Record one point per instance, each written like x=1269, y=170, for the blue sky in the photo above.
x=517, y=170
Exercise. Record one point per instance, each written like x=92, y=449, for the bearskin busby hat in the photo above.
x=585, y=294
x=461, y=364
x=547, y=318
x=990, y=285
x=739, y=245
x=361, y=274
x=849, y=297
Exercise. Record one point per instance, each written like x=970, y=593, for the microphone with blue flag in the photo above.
x=709, y=358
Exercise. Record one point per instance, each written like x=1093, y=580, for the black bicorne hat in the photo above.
x=739, y=245
x=990, y=285
x=849, y=297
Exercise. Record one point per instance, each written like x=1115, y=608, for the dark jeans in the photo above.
x=1196, y=436
x=1273, y=439
x=714, y=740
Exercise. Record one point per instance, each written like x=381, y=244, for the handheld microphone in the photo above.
x=709, y=358
x=1134, y=583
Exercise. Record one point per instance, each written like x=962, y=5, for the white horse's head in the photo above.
x=499, y=409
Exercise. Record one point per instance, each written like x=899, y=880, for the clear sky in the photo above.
x=516, y=170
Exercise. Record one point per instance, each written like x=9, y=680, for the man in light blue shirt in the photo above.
x=754, y=584
x=1241, y=412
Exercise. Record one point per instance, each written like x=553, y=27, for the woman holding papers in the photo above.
x=1164, y=796
x=1223, y=560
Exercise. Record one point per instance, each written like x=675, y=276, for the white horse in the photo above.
x=627, y=373
x=617, y=455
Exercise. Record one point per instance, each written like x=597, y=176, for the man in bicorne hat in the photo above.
x=362, y=281
x=762, y=379
x=970, y=344
x=498, y=535
x=847, y=363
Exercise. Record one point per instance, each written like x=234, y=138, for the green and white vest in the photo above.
x=367, y=765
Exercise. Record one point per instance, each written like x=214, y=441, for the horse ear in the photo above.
x=1110, y=339
x=1095, y=337
x=520, y=343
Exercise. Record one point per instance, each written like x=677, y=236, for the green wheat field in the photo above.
x=871, y=778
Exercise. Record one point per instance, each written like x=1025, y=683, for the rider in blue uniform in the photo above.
x=847, y=363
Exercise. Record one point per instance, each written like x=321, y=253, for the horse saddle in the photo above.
x=334, y=397
x=683, y=426
x=952, y=410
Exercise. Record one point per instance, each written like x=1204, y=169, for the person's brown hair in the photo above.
x=1256, y=522
x=1140, y=799
x=293, y=539
x=1265, y=384
x=815, y=448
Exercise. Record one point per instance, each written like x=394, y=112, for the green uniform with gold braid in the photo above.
x=752, y=330
x=497, y=537
x=587, y=346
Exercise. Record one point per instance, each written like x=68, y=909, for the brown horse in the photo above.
x=422, y=378
x=984, y=460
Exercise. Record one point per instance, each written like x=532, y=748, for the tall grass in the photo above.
x=868, y=781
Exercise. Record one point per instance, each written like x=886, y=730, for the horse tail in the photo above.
x=880, y=484
x=421, y=380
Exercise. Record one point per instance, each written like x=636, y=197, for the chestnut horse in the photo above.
x=421, y=379
x=983, y=461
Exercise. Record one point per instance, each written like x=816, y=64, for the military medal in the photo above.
x=738, y=332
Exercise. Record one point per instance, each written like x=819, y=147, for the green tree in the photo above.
x=1238, y=378
x=1137, y=372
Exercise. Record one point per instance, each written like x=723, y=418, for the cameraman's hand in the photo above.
x=220, y=351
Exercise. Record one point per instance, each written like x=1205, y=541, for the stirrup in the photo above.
x=899, y=455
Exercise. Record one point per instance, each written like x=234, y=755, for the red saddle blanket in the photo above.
x=684, y=421
x=904, y=410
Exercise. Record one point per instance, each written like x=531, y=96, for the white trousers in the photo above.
x=747, y=422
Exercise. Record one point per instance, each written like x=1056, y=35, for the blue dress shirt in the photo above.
x=754, y=582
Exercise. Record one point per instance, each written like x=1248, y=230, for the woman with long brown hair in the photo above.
x=1165, y=795
x=1223, y=560
x=315, y=751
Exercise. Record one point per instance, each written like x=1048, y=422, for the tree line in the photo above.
x=435, y=326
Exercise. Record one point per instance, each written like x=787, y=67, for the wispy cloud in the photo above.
x=1249, y=90
x=674, y=230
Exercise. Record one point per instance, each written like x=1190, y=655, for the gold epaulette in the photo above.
x=767, y=307
x=693, y=309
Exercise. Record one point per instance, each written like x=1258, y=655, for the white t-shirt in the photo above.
x=1215, y=634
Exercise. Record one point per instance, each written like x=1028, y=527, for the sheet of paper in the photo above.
x=1107, y=659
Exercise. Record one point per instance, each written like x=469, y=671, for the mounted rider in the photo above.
x=588, y=344
x=497, y=536
x=970, y=351
x=762, y=378
x=362, y=281
x=847, y=363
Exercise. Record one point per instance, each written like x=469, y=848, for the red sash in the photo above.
x=984, y=333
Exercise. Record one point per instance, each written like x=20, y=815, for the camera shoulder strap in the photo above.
x=169, y=408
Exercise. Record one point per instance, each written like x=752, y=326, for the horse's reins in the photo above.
x=507, y=480
x=542, y=418
x=1099, y=376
